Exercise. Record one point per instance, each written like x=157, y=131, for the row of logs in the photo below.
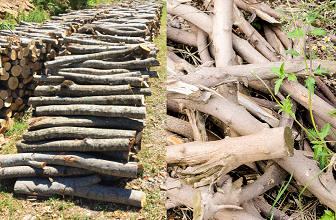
x=233, y=146
x=88, y=113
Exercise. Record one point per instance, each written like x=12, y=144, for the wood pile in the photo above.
x=88, y=109
x=233, y=148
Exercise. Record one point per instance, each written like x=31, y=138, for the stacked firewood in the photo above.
x=238, y=146
x=88, y=117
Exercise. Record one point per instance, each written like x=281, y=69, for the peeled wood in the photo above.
x=267, y=144
x=93, y=100
x=82, y=90
x=85, y=187
x=72, y=159
x=92, y=110
x=77, y=133
x=77, y=145
x=47, y=171
x=102, y=80
x=133, y=64
x=179, y=126
x=85, y=121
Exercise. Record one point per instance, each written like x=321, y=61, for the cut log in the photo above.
x=77, y=133
x=125, y=100
x=90, y=28
x=179, y=126
x=89, y=71
x=101, y=80
x=268, y=144
x=135, y=51
x=92, y=110
x=72, y=159
x=133, y=64
x=47, y=171
x=49, y=79
x=76, y=145
x=85, y=187
x=82, y=121
x=82, y=90
x=12, y=83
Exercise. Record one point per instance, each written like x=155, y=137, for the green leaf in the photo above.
x=310, y=82
x=293, y=52
x=319, y=71
x=295, y=34
x=312, y=134
x=277, y=85
x=292, y=77
x=282, y=71
x=276, y=71
x=332, y=112
x=325, y=131
x=286, y=107
x=328, y=215
x=319, y=31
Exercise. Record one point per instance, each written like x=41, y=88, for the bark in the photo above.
x=90, y=28
x=305, y=170
x=300, y=94
x=265, y=208
x=179, y=126
x=72, y=159
x=82, y=121
x=77, y=133
x=244, y=49
x=93, y=110
x=85, y=187
x=191, y=14
x=232, y=114
x=135, y=51
x=202, y=45
x=76, y=145
x=251, y=34
x=125, y=100
x=257, y=111
x=210, y=77
x=273, y=40
x=102, y=80
x=268, y=144
x=142, y=91
x=181, y=36
x=133, y=64
x=67, y=40
x=47, y=171
x=49, y=79
x=222, y=32
x=89, y=71
x=117, y=39
x=82, y=90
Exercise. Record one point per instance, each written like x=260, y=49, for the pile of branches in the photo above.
x=88, y=117
x=230, y=119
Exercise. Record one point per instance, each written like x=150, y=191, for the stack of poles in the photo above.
x=89, y=111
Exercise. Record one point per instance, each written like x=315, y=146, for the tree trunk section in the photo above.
x=77, y=133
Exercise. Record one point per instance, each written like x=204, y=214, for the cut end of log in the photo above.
x=43, y=164
x=140, y=168
x=143, y=199
x=289, y=140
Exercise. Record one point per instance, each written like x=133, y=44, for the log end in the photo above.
x=143, y=200
x=43, y=164
x=289, y=141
